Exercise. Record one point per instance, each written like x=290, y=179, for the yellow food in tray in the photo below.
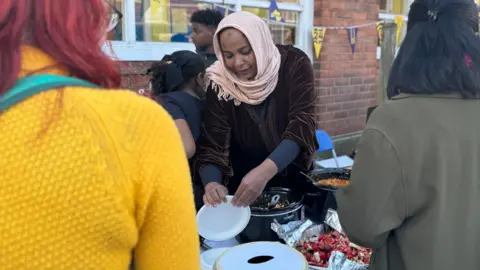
x=334, y=182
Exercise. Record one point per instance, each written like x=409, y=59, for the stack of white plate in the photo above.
x=219, y=225
x=208, y=258
x=222, y=222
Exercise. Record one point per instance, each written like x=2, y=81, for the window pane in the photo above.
x=383, y=5
x=117, y=33
x=164, y=20
x=283, y=33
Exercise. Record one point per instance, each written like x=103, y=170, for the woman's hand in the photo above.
x=215, y=194
x=254, y=183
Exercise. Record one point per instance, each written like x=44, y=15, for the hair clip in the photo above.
x=432, y=15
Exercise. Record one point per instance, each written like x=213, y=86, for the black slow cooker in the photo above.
x=259, y=227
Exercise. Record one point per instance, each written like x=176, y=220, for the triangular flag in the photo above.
x=380, y=32
x=352, y=37
x=273, y=13
x=318, y=34
x=399, y=23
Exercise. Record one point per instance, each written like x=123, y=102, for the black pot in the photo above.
x=318, y=199
x=322, y=174
x=259, y=227
x=317, y=204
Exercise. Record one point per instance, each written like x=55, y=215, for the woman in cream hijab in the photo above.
x=259, y=125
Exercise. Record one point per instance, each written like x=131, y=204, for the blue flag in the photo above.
x=274, y=13
x=352, y=37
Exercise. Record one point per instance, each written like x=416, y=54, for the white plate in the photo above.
x=208, y=258
x=222, y=222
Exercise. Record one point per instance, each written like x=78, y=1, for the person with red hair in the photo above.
x=90, y=177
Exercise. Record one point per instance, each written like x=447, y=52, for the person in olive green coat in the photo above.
x=415, y=188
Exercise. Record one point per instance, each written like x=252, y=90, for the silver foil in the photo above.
x=282, y=230
x=338, y=261
x=313, y=232
x=291, y=232
x=332, y=220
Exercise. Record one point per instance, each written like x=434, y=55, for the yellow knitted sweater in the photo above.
x=87, y=176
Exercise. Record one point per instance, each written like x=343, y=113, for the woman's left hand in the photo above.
x=254, y=183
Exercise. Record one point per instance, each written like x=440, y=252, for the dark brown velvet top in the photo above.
x=236, y=139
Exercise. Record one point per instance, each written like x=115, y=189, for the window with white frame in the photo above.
x=389, y=9
x=152, y=28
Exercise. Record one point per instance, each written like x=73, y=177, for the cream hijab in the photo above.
x=227, y=85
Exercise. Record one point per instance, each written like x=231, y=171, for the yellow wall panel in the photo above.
x=160, y=20
x=397, y=7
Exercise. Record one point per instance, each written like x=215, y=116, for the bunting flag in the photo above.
x=352, y=37
x=399, y=22
x=317, y=35
x=273, y=13
x=380, y=33
x=225, y=11
x=319, y=32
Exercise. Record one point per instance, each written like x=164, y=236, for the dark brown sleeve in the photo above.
x=213, y=146
x=301, y=116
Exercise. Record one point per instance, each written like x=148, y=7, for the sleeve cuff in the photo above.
x=285, y=153
x=209, y=174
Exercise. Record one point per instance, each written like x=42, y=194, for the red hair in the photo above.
x=70, y=31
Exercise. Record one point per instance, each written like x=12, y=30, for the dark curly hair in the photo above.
x=441, y=50
x=208, y=17
x=175, y=71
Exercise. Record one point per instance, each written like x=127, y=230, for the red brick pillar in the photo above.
x=133, y=75
x=346, y=83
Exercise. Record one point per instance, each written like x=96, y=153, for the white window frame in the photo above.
x=388, y=17
x=131, y=50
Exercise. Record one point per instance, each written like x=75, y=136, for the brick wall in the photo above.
x=346, y=83
x=133, y=75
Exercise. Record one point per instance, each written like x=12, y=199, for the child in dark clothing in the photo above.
x=177, y=84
